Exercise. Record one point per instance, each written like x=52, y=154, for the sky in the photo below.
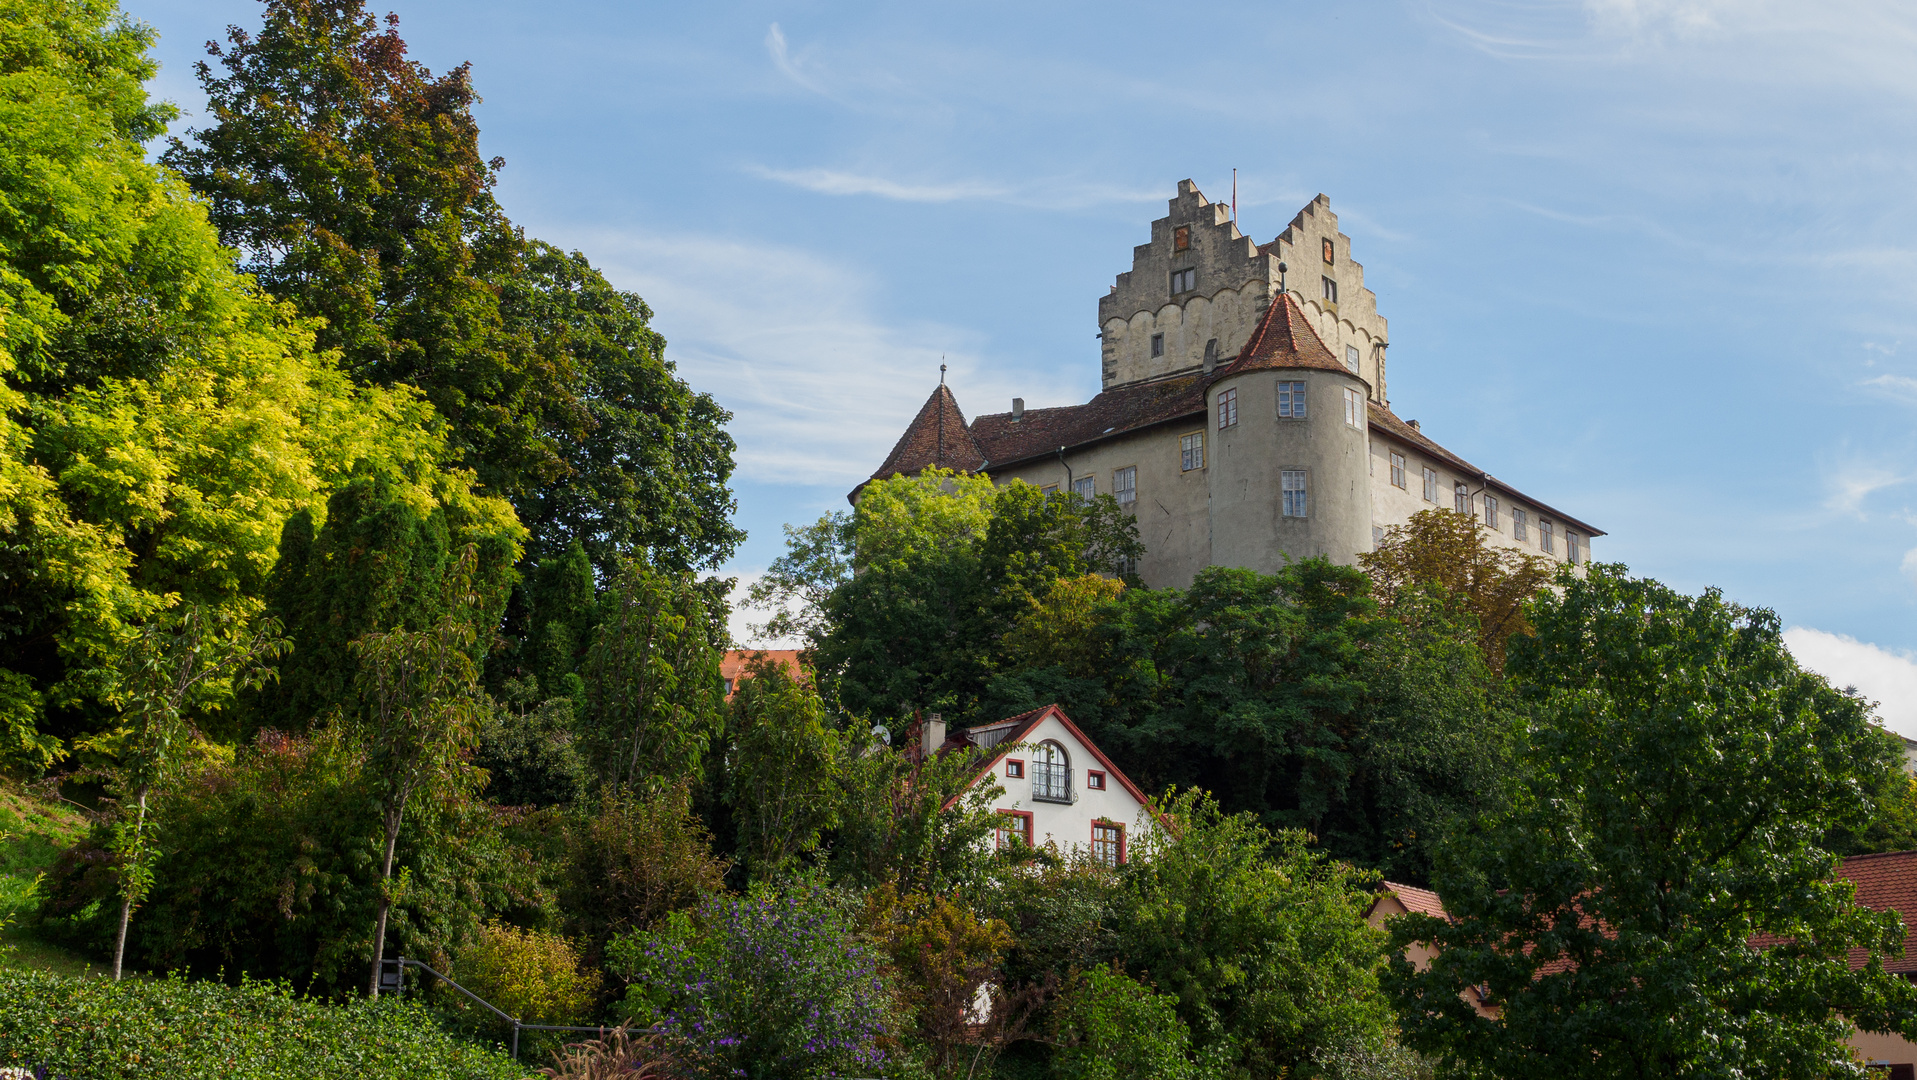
x=1651, y=261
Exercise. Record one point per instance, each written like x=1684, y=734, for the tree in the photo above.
x=422, y=712
x=1656, y=901
x=349, y=176
x=652, y=676
x=192, y=658
x=1262, y=941
x=639, y=857
x=782, y=769
x=1111, y=1027
x=1447, y=550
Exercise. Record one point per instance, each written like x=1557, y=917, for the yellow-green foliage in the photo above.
x=528, y=974
x=931, y=513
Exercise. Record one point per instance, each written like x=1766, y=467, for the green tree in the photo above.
x=350, y=177
x=639, y=857
x=653, y=697
x=1110, y=1027
x=181, y=661
x=1658, y=901
x=782, y=769
x=1262, y=941
x=1446, y=551
x=422, y=712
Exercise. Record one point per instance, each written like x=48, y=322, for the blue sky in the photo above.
x=1654, y=262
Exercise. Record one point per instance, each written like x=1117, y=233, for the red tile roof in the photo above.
x=1887, y=882
x=1010, y=732
x=736, y=662
x=1040, y=432
x=1421, y=901
x=1284, y=339
x=938, y=436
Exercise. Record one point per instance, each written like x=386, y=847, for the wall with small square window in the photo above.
x=1014, y=769
x=1291, y=401
x=1094, y=780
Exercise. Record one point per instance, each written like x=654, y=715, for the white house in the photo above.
x=1059, y=788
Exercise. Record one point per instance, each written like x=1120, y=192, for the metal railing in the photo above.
x=1051, y=783
x=392, y=980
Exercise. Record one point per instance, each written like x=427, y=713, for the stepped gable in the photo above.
x=937, y=436
x=1284, y=339
x=1040, y=432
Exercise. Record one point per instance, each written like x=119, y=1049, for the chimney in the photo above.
x=1018, y=409
x=1211, y=355
x=933, y=736
x=1413, y=424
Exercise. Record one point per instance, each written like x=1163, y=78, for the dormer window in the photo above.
x=1158, y=344
x=1184, y=281
x=1181, y=238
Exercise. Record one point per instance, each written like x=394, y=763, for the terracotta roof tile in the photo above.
x=1040, y=432
x=1421, y=901
x=937, y=436
x=1887, y=882
x=1284, y=339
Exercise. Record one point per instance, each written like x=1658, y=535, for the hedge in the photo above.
x=93, y=1029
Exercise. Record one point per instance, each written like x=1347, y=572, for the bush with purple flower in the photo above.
x=769, y=985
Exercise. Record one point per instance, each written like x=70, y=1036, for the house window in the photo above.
x=1085, y=487
x=1397, y=469
x=1094, y=780
x=1491, y=511
x=1354, y=409
x=1158, y=344
x=1049, y=489
x=1184, y=280
x=1377, y=537
x=1014, y=829
x=1461, y=497
x=1431, y=485
x=1291, y=401
x=1014, y=769
x=1351, y=358
x=1181, y=238
x=1571, y=551
x=1545, y=539
x=1331, y=291
x=1292, y=482
x=1518, y=531
x=1227, y=409
x=1125, y=485
x=727, y=687
x=1051, y=774
x=1331, y=253
x=1191, y=451
x=1108, y=842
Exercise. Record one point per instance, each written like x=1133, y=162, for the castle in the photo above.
x=1243, y=415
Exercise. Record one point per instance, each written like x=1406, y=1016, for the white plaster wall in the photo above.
x=1393, y=506
x=1069, y=826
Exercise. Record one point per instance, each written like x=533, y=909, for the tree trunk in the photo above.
x=126, y=887
x=385, y=904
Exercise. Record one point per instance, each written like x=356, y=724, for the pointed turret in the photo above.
x=937, y=436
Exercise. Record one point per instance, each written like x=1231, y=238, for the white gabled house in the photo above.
x=1059, y=787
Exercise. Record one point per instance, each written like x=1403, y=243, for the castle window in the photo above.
x=1461, y=497
x=1292, y=482
x=1184, y=281
x=1181, y=238
x=1158, y=344
x=1354, y=409
x=1571, y=551
x=1125, y=485
x=1491, y=511
x=1191, y=451
x=1291, y=401
x=1085, y=487
x=1331, y=291
x=1227, y=409
x=1545, y=539
x=1351, y=359
x=1518, y=531
x=1048, y=489
x=1331, y=254
x=1431, y=485
x=1397, y=469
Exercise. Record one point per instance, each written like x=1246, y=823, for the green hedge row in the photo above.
x=93, y=1029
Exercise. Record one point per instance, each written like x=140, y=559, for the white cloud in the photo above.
x=1901, y=387
x=834, y=182
x=782, y=59
x=1886, y=677
x=1855, y=483
x=742, y=622
x=1910, y=565
x=819, y=383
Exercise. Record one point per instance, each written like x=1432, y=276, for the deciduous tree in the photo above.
x=1447, y=550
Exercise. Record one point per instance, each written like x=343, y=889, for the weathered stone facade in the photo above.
x=1243, y=414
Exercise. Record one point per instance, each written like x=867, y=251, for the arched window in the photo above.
x=1051, y=773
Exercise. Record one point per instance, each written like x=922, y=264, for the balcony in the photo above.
x=1051, y=783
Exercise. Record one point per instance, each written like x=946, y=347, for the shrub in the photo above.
x=528, y=974
x=617, y=1056
x=637, y=859
x=761, y=986
x=174, y=1027
x=1111, y=1027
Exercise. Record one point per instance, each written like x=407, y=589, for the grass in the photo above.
x=33, y=831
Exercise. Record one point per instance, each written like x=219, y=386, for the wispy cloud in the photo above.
x=1852, y=484
x=1900, y=387
x=790, y=67
x=820, y=383
x=1886, y=677
x=1055, y=192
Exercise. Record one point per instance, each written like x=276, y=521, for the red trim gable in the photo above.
x=1017, y=735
